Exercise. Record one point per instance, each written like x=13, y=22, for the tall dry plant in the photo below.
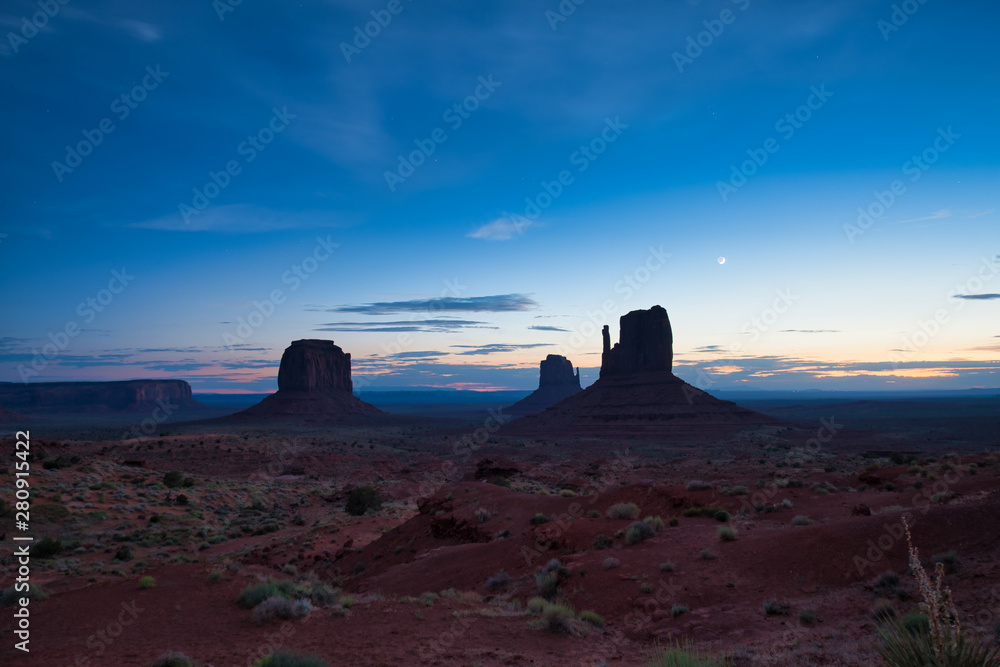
x=943, y=644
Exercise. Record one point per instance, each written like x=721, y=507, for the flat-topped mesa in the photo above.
x=315, y=365
x=557, y=370
x=314, y=385
x=556, y=382
x=646, y=343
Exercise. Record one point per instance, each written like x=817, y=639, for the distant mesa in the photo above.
x=9, y=416
x=314, y=383
x=637, y=391
x=127, y=396
x=556, y=382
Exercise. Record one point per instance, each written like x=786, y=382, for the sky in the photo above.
x=452, y=191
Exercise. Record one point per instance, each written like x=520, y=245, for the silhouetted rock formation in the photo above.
x=646, y=344
x=314, y=365
x=131, y=396
x=556, y=382
x=314, y=383
x=637, y=392
x=556, y=370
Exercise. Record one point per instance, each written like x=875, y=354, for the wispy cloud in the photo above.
x=428, y=326
x=810, y=331
x=937, y=215
x=547, y=328
x=500, y=303
x=979, y=214
x=978, y=297
x=501, y=229
x=497, y=347
x=241, y=219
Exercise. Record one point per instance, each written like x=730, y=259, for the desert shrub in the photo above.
x=535, y=605
x=683, y=655
x=592, y=618
x=611, y=563
x=173, y=479
x=483, y=515
x=786, y=503
x=147, y=582
x=883, y=610
x=215, y=576
x=181, y=499
x=49, y=512
x=646, y=587
x=347, y=601
x=603, y=542
x=360, y=567
x=173, y=659
x=887, y=585
x=593, y=514
x=567, y=493
x=558, y=619
x=668, y=566
x=674, y=521
x=124, y=553
x=698, y=485
x=915, y=623
x=10, y=596
x=707, y=554
x=807, y=616
x=707, y=512
x=654, y=521
x=623, y=511
x=282, y=608
x=254, y=594
x=677, y=610
x=726, y=534
x=737, y=491
x=801, y=520
x=949, y=560
x=638, y=531
x=286, y=659
x=501, y=481
x=775, y=608
x=722, y=516
x=47, y=548
x=538, y=519
x=498, y=581
x=942, y=498
x=363, y=499
x=549, y=577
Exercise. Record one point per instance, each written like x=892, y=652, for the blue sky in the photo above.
x=478, y=185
